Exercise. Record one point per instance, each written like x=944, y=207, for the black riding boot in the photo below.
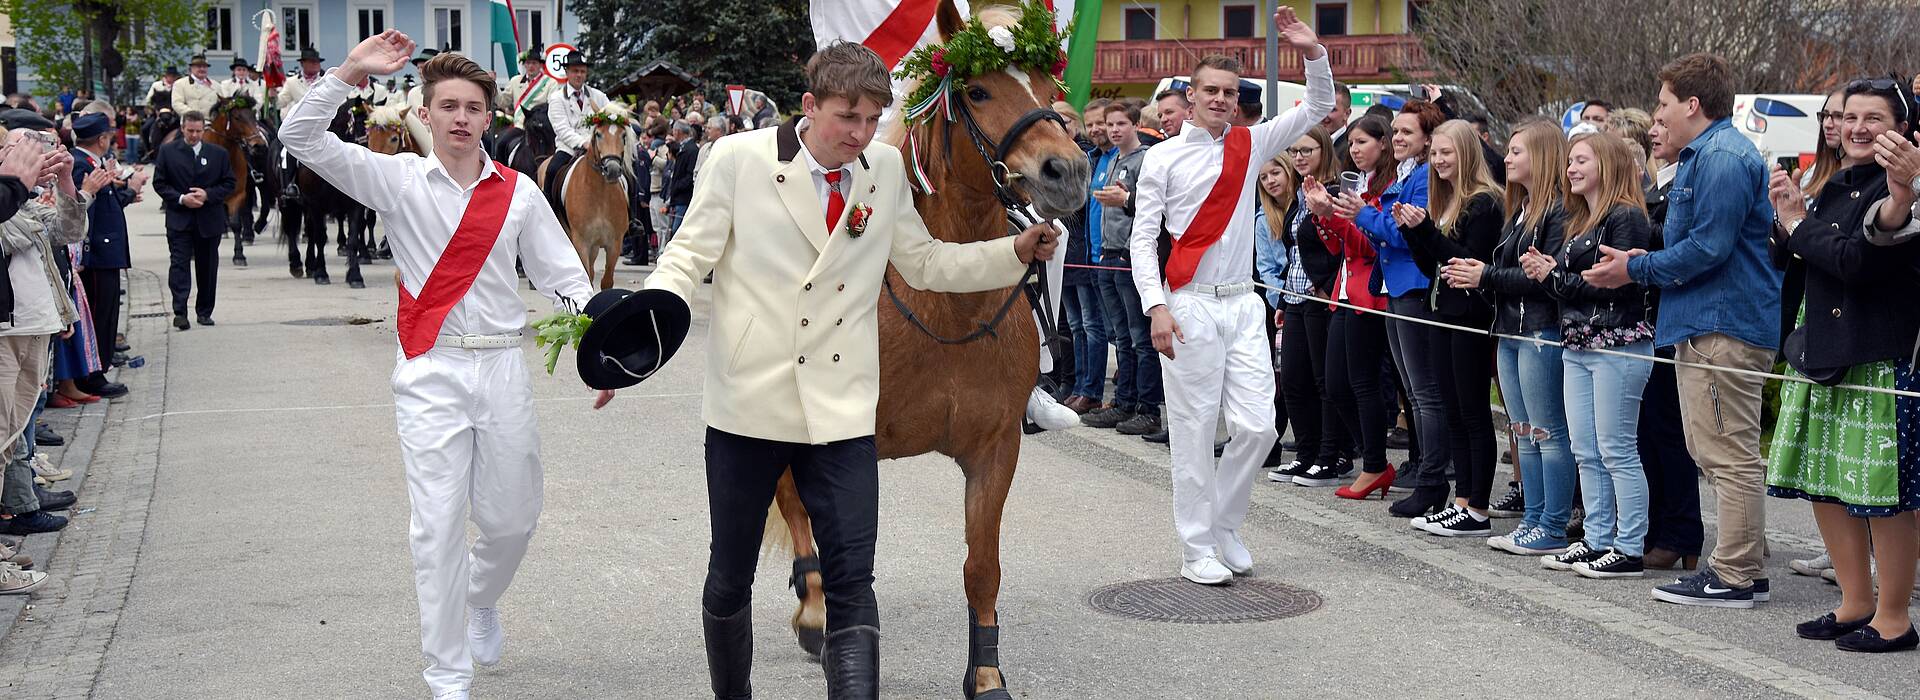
x=852, y=659
x=730, y=653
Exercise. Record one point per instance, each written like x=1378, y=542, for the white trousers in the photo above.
x=1225, y=364
x=468, y=437
x=1056, y=277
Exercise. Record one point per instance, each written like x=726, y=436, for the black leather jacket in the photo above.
x=1521, y=305
x=1624, y=228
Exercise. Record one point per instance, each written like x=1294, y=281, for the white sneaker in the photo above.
x=1811, y=567
x=1048, y=413
x=45, y=469
x=457, y=694
x=1234, y=555
x=484, y=636
x=17, y=581
x=1208, y=571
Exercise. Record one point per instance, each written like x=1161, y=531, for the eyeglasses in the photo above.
x=1825, y=115
x=1297, y=152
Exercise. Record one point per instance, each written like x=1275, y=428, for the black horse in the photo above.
x=308, y=202
x=523, y=148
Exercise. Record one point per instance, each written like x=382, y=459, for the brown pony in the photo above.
x=387, y=132
x=232, y=127
x=593, y=190
x=974, y=414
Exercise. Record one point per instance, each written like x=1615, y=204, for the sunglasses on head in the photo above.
x=1885, y=85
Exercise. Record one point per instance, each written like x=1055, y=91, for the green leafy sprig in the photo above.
x=558, y=331
x=972, y=52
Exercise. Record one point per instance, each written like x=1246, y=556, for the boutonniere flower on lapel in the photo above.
x=857, y=220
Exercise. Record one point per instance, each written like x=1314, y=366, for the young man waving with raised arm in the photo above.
x=1197, y=188
x=457, y=220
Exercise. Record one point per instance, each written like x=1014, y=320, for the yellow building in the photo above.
x=1144, y=41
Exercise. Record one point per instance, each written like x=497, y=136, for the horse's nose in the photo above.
x=1059, y=169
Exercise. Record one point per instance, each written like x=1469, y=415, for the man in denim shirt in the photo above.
x=1720, y=306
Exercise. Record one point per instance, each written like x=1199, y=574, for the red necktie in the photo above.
x=835, y=202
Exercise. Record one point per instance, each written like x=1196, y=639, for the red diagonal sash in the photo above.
x=1215, y=211
x=420, y=318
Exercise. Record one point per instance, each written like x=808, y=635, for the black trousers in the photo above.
x=1468, y=363
x=1673, y=480
x=203, y=253
x=840, y=484
x=1356, y=344
x=1320, y=435
x=103, y=293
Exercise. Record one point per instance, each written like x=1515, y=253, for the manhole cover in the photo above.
x=1178, y=600
x=353, y=321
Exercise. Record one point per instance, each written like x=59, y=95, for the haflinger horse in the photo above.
x=233, y=127
x=593, y=190
x=387, y=132
x=974, y=413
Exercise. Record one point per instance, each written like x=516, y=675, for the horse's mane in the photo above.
x=992, y=16
x=616, y=110
x=389, y=116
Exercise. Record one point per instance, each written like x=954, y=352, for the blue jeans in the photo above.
x=1082, y=304
x=1136, y=377
x=675, y=215
x=1603, y=421
x=1530, y=385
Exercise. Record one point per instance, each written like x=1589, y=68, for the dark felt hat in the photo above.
x=239, y=62
x=576, y=58
x=198, y=60
x=424, y=55
x=172, y=72
x=24, y=119
x=632, y=336
x=310, y=54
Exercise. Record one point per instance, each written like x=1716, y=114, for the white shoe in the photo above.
x=457, y=694
x=45, y=470
x=1208, y=571
x=1048, y=413
x=1234, y=555
x=1811, y=567
x=17, y=581
x=484, y=636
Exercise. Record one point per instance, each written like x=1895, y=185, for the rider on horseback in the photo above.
x=527, y=90
x=568, y=108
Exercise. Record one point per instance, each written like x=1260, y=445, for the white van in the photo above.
x=1783, y=127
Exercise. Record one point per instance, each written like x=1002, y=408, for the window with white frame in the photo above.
x=447, y=25
x=220, y=28
x=369, y=21
x=532, y=19
x=296, y=26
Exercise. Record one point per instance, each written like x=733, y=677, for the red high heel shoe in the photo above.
x=1381, y=484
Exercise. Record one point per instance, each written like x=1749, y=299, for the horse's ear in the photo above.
x=949, y=20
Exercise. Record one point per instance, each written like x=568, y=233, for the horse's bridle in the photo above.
x=1034, y=282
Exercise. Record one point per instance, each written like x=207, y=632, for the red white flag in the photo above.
x=271, y=69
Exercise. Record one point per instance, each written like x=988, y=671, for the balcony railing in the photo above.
x=1371, y=58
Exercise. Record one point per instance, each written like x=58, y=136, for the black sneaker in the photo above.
x=1512, y=505
x=32, y=523
x=1611, y=564
x=1158, y=437
x=1319, y=475
x=1867, y=639
x=1285, y=474
x=1705, y=589
x=45, y=437
x=1106, y=419
x=1762, y=590
x=1420, y=522
x=1397, y=438
x=1829, y=627
x=1575, y=554
x=1463, y=523
x=1140, y=424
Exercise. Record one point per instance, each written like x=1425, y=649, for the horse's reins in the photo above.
x=1019, y=213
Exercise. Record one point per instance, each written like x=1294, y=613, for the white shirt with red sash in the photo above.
x=1177, y=174
x=421, y=205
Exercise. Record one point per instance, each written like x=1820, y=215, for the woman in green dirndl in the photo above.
x=1855, y=452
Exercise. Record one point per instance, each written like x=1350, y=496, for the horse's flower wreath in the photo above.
x=942, y=69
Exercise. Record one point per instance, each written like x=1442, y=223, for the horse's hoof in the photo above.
x=994, y=694
x=356, y=285
x=811, y=640
x=297, y=272
x=322, y=280
x=239, y=262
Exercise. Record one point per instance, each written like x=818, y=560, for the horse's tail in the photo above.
x=778, y=539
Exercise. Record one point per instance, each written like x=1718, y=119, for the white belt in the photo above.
x=1218, y=290
x=481, y=342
